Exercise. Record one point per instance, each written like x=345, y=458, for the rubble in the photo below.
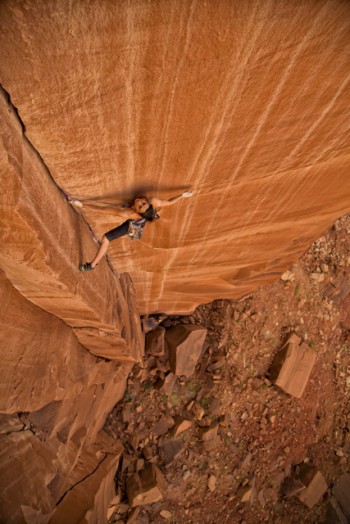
x=170, y=450
x=185, y=344
x=155, y=342
x=146, y=487
x=341, y=492
x=315, y=488
x=292, y=367
x=229, y=435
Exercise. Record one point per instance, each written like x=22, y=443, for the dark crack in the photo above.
x=13, y=107
x=82, y=480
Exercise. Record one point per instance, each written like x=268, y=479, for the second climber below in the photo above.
x=138, y=213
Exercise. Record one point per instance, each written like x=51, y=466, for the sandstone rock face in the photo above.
x=248, y=105
x=63, y=394
x=52, y=482
x=40, y=255
x=55, y=391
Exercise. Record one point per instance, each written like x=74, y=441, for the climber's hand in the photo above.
x=75, y=202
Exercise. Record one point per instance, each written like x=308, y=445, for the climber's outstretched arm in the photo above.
x=157, y=203
x=119, y=211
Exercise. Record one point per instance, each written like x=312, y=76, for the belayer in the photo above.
x=138, y=213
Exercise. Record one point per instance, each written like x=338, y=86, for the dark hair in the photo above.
x=150, y=214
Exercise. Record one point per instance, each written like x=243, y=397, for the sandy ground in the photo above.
x=262, y=434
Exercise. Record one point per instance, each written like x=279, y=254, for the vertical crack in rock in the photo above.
x=45, y=245
x=81, y=480
x=13, y=107
x=15, y=110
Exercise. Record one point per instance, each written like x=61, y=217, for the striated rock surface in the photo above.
x=40, y=255
x=67, y=345
x=246, y=104
x=55, y=397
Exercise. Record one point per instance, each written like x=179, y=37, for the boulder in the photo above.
x=146, y=487
x=155, y=342
x=315, y=486
x=292, y=367
x=185, y=343
x=170, y=449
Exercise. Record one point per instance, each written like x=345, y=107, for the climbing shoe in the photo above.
x=86, y=267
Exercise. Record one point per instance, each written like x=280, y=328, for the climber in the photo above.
x=138, y=213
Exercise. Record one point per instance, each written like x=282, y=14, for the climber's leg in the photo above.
x=117, y=232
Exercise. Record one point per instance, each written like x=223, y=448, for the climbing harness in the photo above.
x=136, y=228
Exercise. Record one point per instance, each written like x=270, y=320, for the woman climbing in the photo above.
x=138, y=213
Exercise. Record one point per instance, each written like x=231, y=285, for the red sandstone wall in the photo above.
x=67, y=345
x=246, y=102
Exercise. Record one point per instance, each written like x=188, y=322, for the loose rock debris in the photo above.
x=250, y=421
x=292, y=366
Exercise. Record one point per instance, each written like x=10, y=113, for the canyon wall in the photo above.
x=67, y=345
x=247, y=103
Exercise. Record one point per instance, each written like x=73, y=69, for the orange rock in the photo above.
x=239, y=230
x=292, y=367
x=41, y=257
x=155, y=340
x=209, y=433
x=146, y=487
x=314, y=491
x=181, y=425
x=185, y=343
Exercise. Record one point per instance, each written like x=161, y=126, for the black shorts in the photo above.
x=118, y=232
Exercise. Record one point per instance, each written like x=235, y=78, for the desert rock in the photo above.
x=292, y=367
x=146, y=487
x=185, y=344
